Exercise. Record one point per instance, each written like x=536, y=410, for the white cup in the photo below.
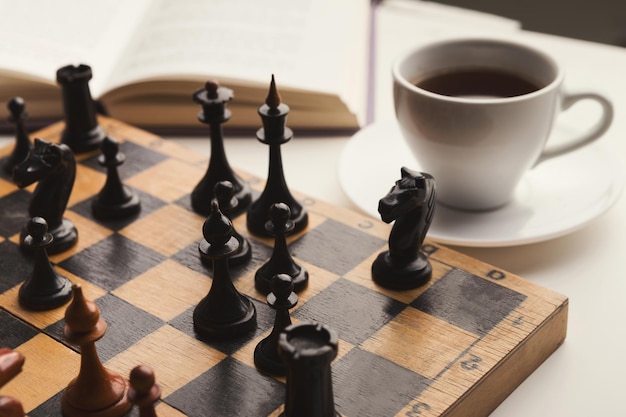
x=478, y=145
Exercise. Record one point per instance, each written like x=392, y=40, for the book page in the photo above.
x=314, y=45
x=38, y=37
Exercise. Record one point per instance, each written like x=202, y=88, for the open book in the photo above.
x=149, y=56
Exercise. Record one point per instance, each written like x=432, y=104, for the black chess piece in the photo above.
x=224, y=193
x=308, y=349
x=96, y=391
x=45, y=288
x=274, y=133
x=213, y=99
x=280, y=225
x=82, y=131
x=22, y=146
x=281, y=299
x=411, y=204
x=11, y=364
x=115, y=200
x=224, y=312
x=143, y=391
x=54, y=167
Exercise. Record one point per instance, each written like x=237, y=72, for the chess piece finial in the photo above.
x=213, y=99
x=281, y=299
x=411, y=204
x=82, y=132
x=53, y=166
x=224, y=312
x=225, y=196
x=115, y=200
x=274, y=134
x=16, y=107
x=82, y=319
x=17, y=116
x=273, y=97
x=309, y=349
x=143, y=391
x=211, y=87
x=96, y=391
x=45, y=288
x=217, y=230
x=280, y=225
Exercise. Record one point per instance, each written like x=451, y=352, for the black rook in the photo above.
x=82, y=132
x=308, y=349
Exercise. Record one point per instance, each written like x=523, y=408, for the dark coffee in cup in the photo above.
x=478, y=82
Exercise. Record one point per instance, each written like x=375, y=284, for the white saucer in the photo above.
x=557, y=197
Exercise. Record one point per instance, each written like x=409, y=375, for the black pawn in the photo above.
x=281, y=299
x=274, y=133
x=115, y=200
x=308, y=349
x=280, y=225
x=82, y=132
x=22, y=146
x=225, y=195
x=224, y=312
x=45, y=289
x=214, y=113
x=143, y=391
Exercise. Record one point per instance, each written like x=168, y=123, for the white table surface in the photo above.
x=583, y=377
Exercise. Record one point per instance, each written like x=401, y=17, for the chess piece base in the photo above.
x=126, y=209
x=218, y=329
x=391, y=275
x=267, y=361
x=117, y=409
x=46, y=301
x=243, y=254
x=86, y=142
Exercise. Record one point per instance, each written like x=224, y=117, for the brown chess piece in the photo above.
x=11, y=363
x=96, y=391
x=143, y=391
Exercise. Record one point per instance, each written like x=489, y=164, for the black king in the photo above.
x=274, y=133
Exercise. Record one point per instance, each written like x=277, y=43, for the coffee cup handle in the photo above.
x=592, y=134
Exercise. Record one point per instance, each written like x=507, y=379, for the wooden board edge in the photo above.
x=483, y=399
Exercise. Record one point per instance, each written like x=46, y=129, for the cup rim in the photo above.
x=491, y=100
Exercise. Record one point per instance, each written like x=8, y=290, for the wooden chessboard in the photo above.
x=456, y=347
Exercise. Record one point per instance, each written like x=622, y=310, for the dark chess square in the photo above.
x=14, y=331
x=112, y=262
x=15, y=265
x=356, y=312
x=384, y=387
x=479, y=304
x=249, y=393
x=140, y=156
x=335, y=247
x=14, y=212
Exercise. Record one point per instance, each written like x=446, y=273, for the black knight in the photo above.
x=411, y=204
